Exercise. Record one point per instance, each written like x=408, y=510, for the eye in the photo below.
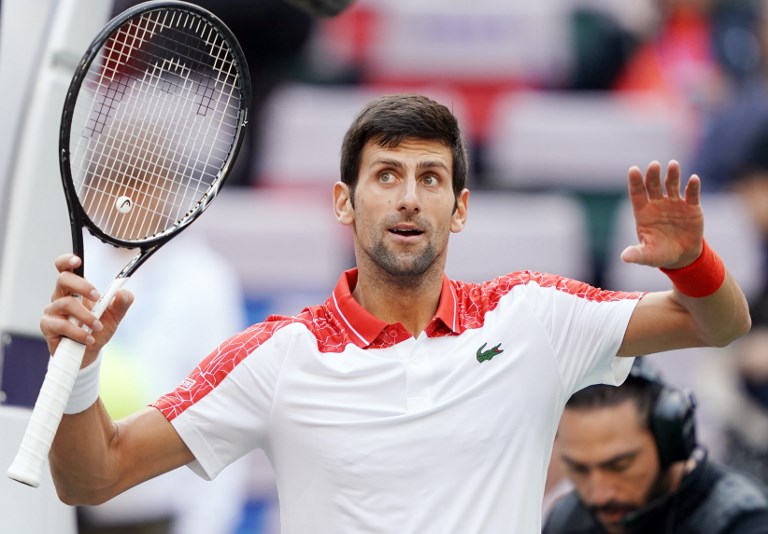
x=430, y=179
x=618, y=467
x=577, y=469
x=386, y=177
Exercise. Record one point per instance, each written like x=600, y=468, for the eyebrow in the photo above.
x=603, y=464
x=428, y=164
x=432, y=164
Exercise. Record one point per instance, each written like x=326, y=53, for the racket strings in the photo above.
x=157, y=125
x=180, y=42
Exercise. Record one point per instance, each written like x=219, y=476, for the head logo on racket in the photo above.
x=123, y=204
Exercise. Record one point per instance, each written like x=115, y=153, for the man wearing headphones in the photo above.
x=631, y=454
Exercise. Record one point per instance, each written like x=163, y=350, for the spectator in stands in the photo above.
x=741, y=392
x=632, y=455
x=601, y=44
x=742, y=400
x=740, y=104
x=662, y=46
x=706, y=56
x=751, y=183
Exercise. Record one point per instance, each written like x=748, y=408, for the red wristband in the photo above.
x=701, y=278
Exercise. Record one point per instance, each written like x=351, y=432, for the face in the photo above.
x=403, y=208
x=611, y=458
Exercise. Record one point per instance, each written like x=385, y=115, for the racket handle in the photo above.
x=28, y=465
x=63, y=369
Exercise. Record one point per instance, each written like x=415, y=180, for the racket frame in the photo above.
x=77, y=215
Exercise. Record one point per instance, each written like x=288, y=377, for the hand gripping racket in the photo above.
x=151, y=125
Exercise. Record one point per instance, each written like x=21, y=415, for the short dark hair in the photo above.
x=642, y=393
x=393, y=118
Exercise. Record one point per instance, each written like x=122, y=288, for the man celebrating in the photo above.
x=406, y=402
x=632, y=456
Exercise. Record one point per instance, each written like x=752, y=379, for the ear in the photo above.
x=459, y=217
x=342, y=203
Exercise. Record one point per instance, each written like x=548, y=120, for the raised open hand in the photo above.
x=670, y=227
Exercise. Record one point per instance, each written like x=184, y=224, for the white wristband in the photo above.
x=86, y=389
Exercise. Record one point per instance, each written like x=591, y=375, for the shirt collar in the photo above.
x=364, y=327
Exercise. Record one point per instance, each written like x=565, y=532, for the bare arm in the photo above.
x=93, y=458
x=670, y=229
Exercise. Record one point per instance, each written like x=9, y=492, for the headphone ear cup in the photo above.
x=673, y=425
x=672, y=416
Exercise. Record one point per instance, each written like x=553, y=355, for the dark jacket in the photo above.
x=710, y=500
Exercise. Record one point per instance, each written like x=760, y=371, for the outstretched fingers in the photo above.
x=693, y=190
x=649, y=187
x=637, y=193
x=672, y=180
x=669, y=226
x=653, y=181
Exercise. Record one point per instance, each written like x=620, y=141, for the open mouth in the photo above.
x=406, y=232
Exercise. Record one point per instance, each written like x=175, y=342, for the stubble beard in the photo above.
x=660, y=487
x=403, y=270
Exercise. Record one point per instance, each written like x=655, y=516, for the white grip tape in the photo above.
x=33, y=452
x=54, y=394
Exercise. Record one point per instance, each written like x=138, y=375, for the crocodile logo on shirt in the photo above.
x=486, y=355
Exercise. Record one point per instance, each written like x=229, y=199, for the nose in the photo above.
x=409, y=195
x=599, y=490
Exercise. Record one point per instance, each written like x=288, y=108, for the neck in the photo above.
x=659, y=504
x=411, y=301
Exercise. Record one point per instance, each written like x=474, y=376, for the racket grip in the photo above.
x=27, y=466
x=59, y=380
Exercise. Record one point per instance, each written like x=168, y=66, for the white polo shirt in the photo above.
x=370, y=430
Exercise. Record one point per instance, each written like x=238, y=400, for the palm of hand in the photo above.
x=670, y=228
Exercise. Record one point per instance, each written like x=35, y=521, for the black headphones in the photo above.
x=672, y=415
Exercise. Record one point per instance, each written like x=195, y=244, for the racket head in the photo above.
x=152, y=122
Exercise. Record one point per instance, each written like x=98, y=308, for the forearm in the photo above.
x=712, y=298
x=671, y=320
x=720, y=318
x=93, y=458
x=82, y=456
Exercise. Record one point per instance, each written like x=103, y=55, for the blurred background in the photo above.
x=558, y=98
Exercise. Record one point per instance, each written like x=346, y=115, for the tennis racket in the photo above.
x=152, y=122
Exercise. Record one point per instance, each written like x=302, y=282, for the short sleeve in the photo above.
x=586, y=326
x=222, y=410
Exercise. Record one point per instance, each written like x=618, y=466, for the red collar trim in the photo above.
x=364, y=327
x=447, y=309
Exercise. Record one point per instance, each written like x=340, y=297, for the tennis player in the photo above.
x=406, y=402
